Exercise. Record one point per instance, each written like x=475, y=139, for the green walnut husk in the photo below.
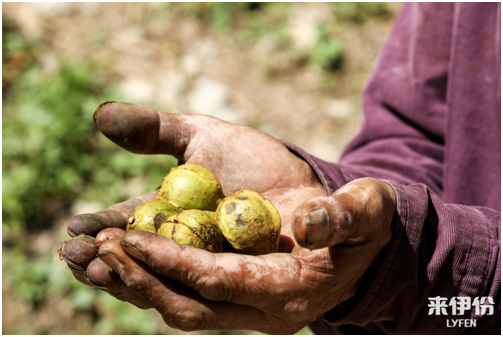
x=191, y=187
x=194, y=228
x=149, y=216
x=249, y=222
x=212, y=214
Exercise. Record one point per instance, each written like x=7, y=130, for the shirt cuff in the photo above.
x=331, y=175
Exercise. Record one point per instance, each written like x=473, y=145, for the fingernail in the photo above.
x=133, y=251
x=317, y=227
x=111, y=261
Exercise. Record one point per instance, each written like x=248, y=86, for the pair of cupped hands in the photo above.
x=327, y=242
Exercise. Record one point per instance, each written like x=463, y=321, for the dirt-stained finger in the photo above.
x=143, y=130
x=109, y=234
x=125, y=208
x=103, y=277
x=87, y=224
x=78, y=253
x=181, y=307
x=358, y=212
x=114, y=216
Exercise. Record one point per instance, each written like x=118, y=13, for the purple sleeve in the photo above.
x=437, y=249
x=444, y=243
x=405, y=101
x=431, y=111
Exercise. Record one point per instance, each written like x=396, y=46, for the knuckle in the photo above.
x=300, y=309
x=109, y=234
x=136, y=281
x=215, y=288
x=294, y=311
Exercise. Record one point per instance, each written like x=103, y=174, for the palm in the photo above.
x=240, y=157
x=245, y=158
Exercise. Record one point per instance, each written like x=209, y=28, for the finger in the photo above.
x=181, y=307
x=81, y=250
x=78, y=253
x=143, y=130
x=114, y=216
x=102, y=276
x=87, y=224
x=265, y=282
x=109, y=234
x=358, y=212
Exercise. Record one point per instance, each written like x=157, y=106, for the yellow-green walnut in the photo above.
x=194, y=228
x=249, y=222
x=191, y=186
x=149, y=216
x=212, y=214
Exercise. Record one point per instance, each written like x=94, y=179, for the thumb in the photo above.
x=358, y=212
x=143, y=130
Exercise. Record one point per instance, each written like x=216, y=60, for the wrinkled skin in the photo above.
x=194, y=289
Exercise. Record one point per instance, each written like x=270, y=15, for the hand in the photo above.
x=276, y=293
x=240, y=157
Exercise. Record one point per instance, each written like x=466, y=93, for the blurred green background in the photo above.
x=293, y=70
